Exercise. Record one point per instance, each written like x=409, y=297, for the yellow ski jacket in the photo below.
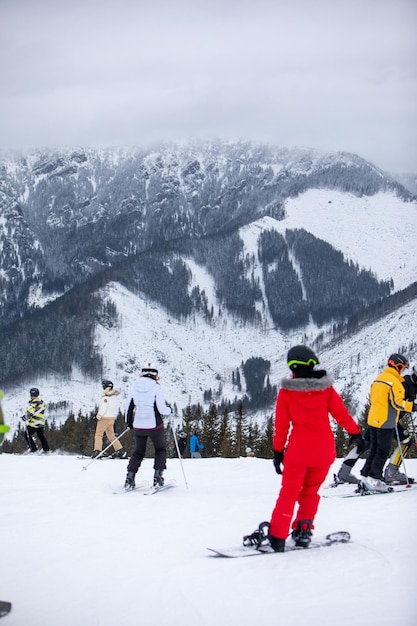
x=35, y=413
x=387, y=399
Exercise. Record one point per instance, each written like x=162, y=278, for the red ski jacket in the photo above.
x=302, y=420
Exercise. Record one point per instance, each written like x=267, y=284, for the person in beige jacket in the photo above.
x=106, y=417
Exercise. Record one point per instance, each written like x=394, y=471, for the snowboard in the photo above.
x=167, y=485
x=5, y=608
x=243, y=551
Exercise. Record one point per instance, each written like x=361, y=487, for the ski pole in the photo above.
x=179, y=455
x=401, y=453
x=103, y=451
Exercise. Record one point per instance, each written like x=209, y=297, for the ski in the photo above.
x=5, y=608
x=361, y=491
x=167, y=485
x=144, y=484
x=235, y=552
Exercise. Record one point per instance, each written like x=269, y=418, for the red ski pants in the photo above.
x=299, y=484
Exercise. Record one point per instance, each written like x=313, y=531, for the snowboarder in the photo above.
x=386, y=403
x=106, y=416
x=304, y=443
x=35, y=421
x=195, y=446
x=145, y=408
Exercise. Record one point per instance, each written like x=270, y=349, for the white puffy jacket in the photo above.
x=146, y=404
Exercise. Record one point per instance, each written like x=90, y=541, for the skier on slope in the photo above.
x=35, y=421
x=106, y=416
x=304, y=443
x=195, y=446
x=145, y=408
x=392, y=474
x=387, y=398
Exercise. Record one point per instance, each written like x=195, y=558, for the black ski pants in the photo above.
x=157, y=436
x=379, y=451
x=31, y=432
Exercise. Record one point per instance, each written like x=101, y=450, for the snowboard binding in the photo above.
x=259, y=537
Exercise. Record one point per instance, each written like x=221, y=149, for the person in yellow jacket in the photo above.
x=106, y=417
x=387, y=400
x=35, y=421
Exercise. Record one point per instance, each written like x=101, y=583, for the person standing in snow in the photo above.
x=387, y=401
x=35, y=421
x=304, y=444
x=392, y=474
x=106, y=416
x=145, y=408
x=182, y=442
x=195, y=446
x=3, y=428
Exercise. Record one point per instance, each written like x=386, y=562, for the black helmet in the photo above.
x=106, y=384
x=300, y=357
x=34, y=392
x=398, y=362
x=150, y=371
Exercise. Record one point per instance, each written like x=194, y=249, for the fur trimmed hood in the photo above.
x=113, y=392
x=307, y=384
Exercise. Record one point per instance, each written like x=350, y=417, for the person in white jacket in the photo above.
x=106, y=416
x=145, y=408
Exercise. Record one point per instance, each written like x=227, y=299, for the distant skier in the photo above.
x=304, y=443
x=182, y=442
x=106, y=416
x=3, y=427
x=145, y=408
x=195, y=446
x=35, y=421
x=387, y=401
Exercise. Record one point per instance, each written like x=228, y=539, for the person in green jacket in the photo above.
x=3, y=428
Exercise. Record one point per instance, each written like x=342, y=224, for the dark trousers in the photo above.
x=379, y=450
x=31, y=432
x=157, y=436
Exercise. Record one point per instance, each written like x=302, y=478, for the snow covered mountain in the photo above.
x=63, y=221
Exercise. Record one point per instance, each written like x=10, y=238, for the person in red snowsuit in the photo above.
x=304, y=444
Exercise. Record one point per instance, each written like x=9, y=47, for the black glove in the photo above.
x=278, y=458
x=358, y=441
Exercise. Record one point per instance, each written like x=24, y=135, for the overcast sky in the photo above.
x=327, y=74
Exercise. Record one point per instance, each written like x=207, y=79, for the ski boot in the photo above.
x=130, y=481
x=375, y=484
x=158, y=479
x=95, y=454
x=120, y=454
x=393, y=476
x=302, y=533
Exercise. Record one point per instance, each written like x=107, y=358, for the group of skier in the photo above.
x=303, y=441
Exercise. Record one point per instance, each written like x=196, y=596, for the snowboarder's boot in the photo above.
x=158, y=479
x=130, y=481
x=302, y=533
x=278, y=545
